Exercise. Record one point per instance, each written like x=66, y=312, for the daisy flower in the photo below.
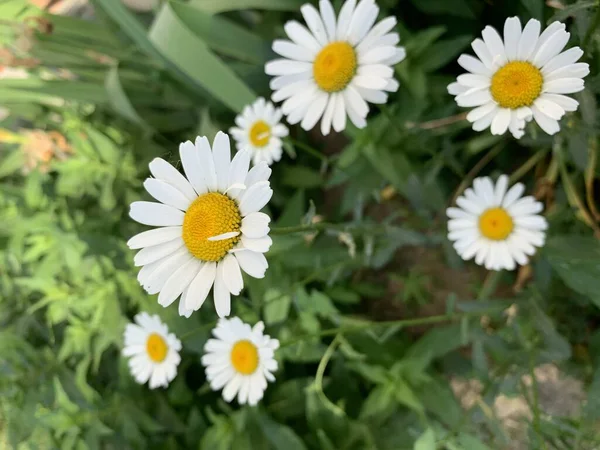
x=337, y=65
x=154, y=352
x=240, y=360
x=210, y=226
x=259, y=131
x=495, y=225
x=520, y=78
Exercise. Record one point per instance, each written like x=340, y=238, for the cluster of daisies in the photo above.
x=209, y=227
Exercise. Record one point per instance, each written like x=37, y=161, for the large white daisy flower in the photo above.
x=338, y=66
x=520, y=78
x=497, y=227
x=210, y=226
x=240, y=359
x=259, y=131
x=154, y=352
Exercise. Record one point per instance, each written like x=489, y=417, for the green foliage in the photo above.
x=376, y=314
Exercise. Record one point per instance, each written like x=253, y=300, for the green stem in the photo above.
x=318, y=384
x=592, y=28
x=358, y=228
x=308, y=149
x=528, y=165
x=489, y=285
x=403, y=322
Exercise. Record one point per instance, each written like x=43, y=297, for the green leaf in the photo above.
x=443, y=52
x=379, y=402
x=217, y=6
x=11, y=163
x=460, y=8
x=173, y=37
x=576, y=259
x=118, y=98
x=276, y=306
x=426, y=441
x=301, y=177
x=281, y=437
x=470, y=442
x=405, y=395
x=535, y=8
x=223, y=35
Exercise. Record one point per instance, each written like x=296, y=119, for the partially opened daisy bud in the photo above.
x=333, y=68
x=154, y=352
x=240, y=360
x=259, y=131
x=519, y=78
x=495, y=225
x=210, y=226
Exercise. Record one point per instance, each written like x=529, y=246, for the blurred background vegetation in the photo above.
x=389, y=340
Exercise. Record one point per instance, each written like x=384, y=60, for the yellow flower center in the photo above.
x=260, y=133
x=335, y=66
x=211, y=215
x=156, y=347
x=244, y=357
x=516, y=84
x=495, y=224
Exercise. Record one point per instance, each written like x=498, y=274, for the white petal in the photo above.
x=353, y=100
x=260, y=172
x=377, y=55
x=166, y=172
x=254, y=264
x=512, y=35
x=291, y=89
x=223, y=236
x=546, y=123
x=550, y=31
x=154, y=237
x=301, y=36
x=552, y=47
x=294, y=51
x=566, y=103
x=222, y=157
x=168, y=266
x=148, y=255
x=485, y=121
x=500, y=189
x=328, y=114
x=495, y=46
x=529, y=39
x=207, y=162
x=362, y=20
x=190, y=159
x=564, y=86
x=155, y=214
x=513, y=194
x=481, y=111
x=177, y=282
x=221, y=293
x=284, y=80
x=286, y=67
x=339, y=114
x=344, y=19
x=261, y=245
x=474, y=97
x=483, y=53
x=183, y=312
x=578, y=70
x=328, y=15
x=549, y=108
x=372, y=37
x=373, y=96
x=232, y=388
x=232, y=275
x=474, y=81
x=369, y=82
x=501, y=122
x=255, y=198
x=201, y=285
x=473, y=65
x=456, y=88
x=314, y=22
x=238, y=171
x=166, y=193
x=563, y=59
x=315, y=111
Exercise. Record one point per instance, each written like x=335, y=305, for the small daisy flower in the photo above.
x=520, y=78
x=154, y=352
x=240, y=360
x=258, y=130
x=210, y=226
x=497, y=227
x=333, y=68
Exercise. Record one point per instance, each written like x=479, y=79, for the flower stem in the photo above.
x=528, y=165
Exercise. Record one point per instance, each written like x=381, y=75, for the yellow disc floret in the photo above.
x=260, y=133
x=156, y=347
x=335, y=66
x=516, y=84
x=244, y=357
x=495, y=224
x=211, y=215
